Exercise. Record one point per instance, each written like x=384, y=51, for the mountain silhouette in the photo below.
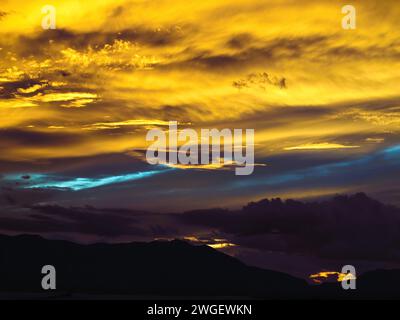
x=346, y=228
x=162, y=268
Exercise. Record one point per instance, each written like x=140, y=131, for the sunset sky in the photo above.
x=76, y=102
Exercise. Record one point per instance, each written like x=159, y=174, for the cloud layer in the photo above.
x=76, y=103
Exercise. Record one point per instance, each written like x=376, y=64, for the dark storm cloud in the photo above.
x=347, y=227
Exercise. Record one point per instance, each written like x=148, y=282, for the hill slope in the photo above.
x=155, y=268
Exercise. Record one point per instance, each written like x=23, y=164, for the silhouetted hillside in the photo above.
x=157, y=268
x=173, y=268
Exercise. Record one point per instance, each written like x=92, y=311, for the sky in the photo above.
x=76, y=102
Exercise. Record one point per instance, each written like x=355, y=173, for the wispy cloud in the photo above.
x=45, y=181
x=320, y=146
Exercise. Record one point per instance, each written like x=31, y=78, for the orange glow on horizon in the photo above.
x=323, y=276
